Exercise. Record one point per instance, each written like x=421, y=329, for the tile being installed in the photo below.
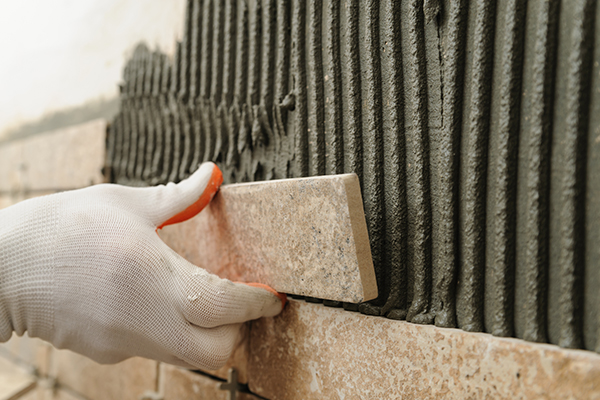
x=304, y=236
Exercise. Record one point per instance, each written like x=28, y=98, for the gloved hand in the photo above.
x=86, y=271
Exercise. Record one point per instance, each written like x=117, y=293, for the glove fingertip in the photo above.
x=215, y=181
x=280, y=296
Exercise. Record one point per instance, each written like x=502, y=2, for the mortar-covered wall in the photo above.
x=473, y=127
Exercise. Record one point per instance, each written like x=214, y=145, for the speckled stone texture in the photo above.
x=314, y=352
x=302, y=236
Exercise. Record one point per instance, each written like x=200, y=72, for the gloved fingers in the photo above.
x=209, y=301
x=207, y=348
x=280, y=296
x=179, y=202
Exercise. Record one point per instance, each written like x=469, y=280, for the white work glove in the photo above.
x=86, y=271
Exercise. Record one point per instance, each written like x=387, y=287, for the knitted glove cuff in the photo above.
x=27, y=258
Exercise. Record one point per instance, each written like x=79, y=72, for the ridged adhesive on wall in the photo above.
x=474, y=128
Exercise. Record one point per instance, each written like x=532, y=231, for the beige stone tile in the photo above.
x=47, y=390
x=67, y=158
x=29, y=351
x=247, y=396
x=178, y=383
x=303, y=236
x=314, y=352
x=14, y=381
x=36, y=394
x=60, y=394
x=71, y=157
x=126, y=380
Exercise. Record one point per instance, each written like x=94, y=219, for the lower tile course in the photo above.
x=126, y=380
x=66, y=158
x=177, y=383
x=25, y=350
x=13, y=380
x=42, y=392
x=313, y=352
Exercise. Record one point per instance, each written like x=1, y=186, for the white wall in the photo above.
x=57, y=54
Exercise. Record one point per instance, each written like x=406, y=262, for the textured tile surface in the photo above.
x=302, y=236
x=126, y=380
x=315, y=352
x=177, y=383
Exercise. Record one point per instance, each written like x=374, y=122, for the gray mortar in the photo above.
x=474, y=129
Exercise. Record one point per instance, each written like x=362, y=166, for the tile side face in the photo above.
x=361, y=236
x=294, y=235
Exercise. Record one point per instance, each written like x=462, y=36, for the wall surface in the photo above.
x=309, y=351
x=473, y=127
